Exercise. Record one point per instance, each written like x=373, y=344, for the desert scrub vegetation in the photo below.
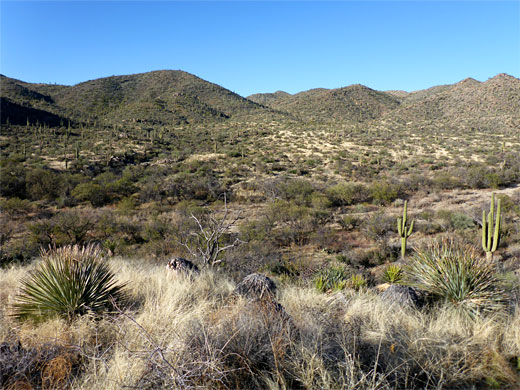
x=194, y=332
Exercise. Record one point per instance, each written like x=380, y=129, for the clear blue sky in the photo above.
x=251, y=47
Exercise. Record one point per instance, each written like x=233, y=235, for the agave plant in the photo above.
x=456, y=274
x=69, y=282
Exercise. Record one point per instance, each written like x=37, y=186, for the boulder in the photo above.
x=179, y=265
x=256, y=287
x=402, y=296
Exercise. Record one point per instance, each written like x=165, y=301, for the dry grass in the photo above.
x=194, y=333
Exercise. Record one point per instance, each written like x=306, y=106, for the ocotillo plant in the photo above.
x=404, y=230
x=490, y=233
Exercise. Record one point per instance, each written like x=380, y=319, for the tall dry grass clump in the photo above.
x=192, y=332
x=458, y=276
x=69, y=282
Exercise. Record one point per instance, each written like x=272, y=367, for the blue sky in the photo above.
x=251, y=47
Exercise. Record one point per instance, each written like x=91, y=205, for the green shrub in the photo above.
x=15, y=206
x=69, y=282
x=297, y=190
x=455, y=220
x=456, y=275
x=349, y=222
x=43, y=184
x=12, y=178
x=94, y=193
x=344, y=194
x=384, y=192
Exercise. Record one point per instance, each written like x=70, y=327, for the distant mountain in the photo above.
x=177, y=98
x=267, y=99
x=355, y=103
x=469, y=102
x=160, y=97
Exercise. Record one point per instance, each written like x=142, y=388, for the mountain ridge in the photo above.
x=176, y=97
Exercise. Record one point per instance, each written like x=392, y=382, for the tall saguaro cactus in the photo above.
x=404, y=230
x=490, y=232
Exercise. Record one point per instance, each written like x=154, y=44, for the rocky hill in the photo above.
x=355, y=103
x=160, y=97
x=178, y=98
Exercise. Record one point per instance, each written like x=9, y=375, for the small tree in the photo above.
x=207, y=242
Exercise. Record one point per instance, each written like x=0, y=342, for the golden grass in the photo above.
x=186, y=332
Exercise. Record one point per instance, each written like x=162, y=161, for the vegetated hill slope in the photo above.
x=267, y=99
x=160, y=97
x=177, y=97
x=355, y=103
x=21, y=101
x=469, y=103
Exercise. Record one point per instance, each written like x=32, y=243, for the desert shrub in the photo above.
x=91, y=192
x=382, y=253
x=43, y=184
x=69, y=282
x=473, y=177
x=446, y=181
x=455, y=220
x=73, y=226
x=15, y=206
x=384, y=192
x=18, y=250
x=12, y=178
x=295, y=222
x=458, y=276
x=509, y=205
x=126, y=205
x=379, y=225
x=258, y=230
x=349, y=222
x=46, y=366
x=393, y=274
x=299, y=191
x=42, y=232
x=344, y=194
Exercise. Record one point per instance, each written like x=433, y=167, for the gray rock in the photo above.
x=402, y=296
x=182, y=266
x=256, y=286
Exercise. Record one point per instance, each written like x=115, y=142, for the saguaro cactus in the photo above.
x=404, y=230
x=490, y=233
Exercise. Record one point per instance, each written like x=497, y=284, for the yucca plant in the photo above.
x=393, y=274
x=357, y=282
x=455, y=274
x=69, y=282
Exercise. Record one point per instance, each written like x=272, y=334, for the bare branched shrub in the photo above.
x=206, y=243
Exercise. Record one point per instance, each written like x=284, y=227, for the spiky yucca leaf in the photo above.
x=393, y=274
x=69, y=281
x=457, y=275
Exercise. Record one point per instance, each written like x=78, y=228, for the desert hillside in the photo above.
x=159, y=231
